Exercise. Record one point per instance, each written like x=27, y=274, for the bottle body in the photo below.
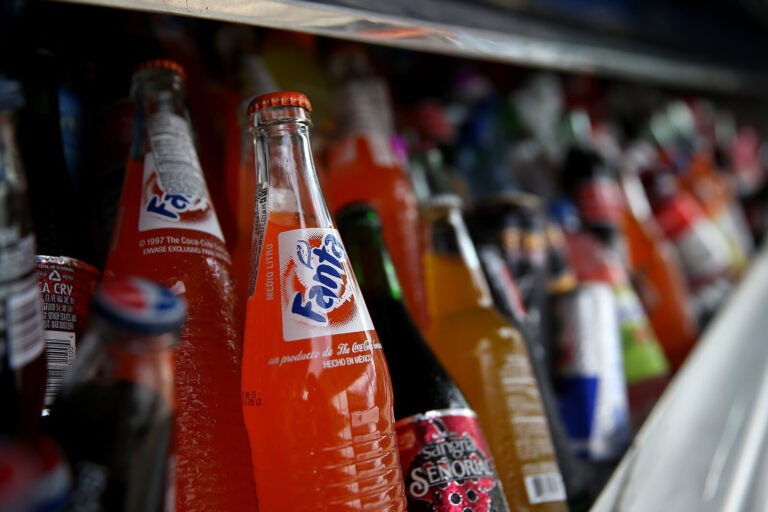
x=488, y=358
x=167, y=230
x=317, y=396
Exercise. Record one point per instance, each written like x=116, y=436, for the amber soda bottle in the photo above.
x=167, y=230
x=22, y=346
x=488, y=358
x=437, y=430
x=317, y=395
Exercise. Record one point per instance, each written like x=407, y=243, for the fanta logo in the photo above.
x=172, y=206
x=325, y=278
x=169, y=205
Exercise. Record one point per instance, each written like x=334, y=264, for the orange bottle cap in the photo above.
x=164, y=64
x=279, y=99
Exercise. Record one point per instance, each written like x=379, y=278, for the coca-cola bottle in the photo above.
x=431, y=412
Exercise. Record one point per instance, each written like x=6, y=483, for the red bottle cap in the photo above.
x=279, y=99
x=164, y=64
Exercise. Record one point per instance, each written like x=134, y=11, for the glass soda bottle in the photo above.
x=593, y=185
x=437, y=431
x=114, y=414
x=362, y=165
x=22, y=347
x=317, y=395
x=66, y=269
x=701, y=247
x=589, y=371
x=656, y=269
x=488, y=358
x=167, y=230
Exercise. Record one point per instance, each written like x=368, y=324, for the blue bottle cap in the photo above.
x=11, y=94
x=140, y=305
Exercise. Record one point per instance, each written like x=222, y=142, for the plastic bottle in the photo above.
x=362, y=165
x=436, y=427
x=66, y=259
x=488, y=358
x=114, y=415
x=167, y=230
x=22, y=350
x=317, y=395
x=654, y=265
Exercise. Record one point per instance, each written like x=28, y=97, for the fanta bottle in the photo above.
x=655, y=268
x=488, y=358
x=167, y=230
x=317, y=394
x=362, y=165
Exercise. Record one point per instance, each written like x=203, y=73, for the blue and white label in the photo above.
x=319, y=293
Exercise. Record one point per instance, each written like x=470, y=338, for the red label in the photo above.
x=446, y=463
x=600, y=201
x=676, y=217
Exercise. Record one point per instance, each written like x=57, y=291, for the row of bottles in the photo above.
x=450, y=304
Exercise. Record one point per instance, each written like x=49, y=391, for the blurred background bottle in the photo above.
x=656, y=270
x=167, y=230
x=589, y=375
x=430, y=409
x=114, y=414
x=362, y=165
x=22, y=351
x=489, y=359
x=317, y=395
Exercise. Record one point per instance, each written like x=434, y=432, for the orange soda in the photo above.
x=167, y=231
x=317, y=395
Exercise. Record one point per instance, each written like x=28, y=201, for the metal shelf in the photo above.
x=490, y=31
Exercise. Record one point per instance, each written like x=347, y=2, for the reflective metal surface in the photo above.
x=473, y=30
x=704, y=446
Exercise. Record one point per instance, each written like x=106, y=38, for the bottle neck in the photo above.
x=286, y=175
x=370, y=259
x=157, y=94
x=108, y=353
x=454, y=277
x=364, y=108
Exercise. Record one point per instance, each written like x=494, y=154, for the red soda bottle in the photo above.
x=167, y=230
x=317, y=395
